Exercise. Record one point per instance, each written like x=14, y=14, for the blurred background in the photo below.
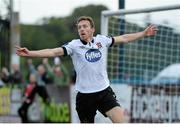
x=144, y=75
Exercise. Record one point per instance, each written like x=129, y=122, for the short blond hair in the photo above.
x=88, y=18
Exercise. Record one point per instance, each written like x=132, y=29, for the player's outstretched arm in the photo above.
x=149, y=31
x=23, y=51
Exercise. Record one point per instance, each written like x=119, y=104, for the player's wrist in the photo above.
x=144, y=33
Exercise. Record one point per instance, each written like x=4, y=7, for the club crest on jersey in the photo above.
x=93, y=55
x=99, y=45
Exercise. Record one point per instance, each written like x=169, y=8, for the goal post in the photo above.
x=151, y=66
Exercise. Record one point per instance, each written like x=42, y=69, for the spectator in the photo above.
x=59, y=72
x=5, y=76
x=42, y=79
x=16, y=76
x=29, y=96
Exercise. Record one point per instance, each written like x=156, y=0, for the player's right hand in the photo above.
x=22, y=51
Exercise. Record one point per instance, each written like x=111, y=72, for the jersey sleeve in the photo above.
x=68, y=48
x=107, y=40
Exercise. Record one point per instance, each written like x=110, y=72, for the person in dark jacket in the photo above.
x=29, y=95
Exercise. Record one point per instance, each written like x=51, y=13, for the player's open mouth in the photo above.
x=83, y=34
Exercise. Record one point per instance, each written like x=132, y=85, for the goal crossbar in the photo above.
x=105, y=14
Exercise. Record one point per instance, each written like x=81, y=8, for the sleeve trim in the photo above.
x=65, y=51
x=112, y=42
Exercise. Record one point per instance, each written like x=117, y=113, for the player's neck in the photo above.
x=89, y=40
x=85, y=41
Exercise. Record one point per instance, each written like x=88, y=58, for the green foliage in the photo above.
x=34, y=37
x=56, y=112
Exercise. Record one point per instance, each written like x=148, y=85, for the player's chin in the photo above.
x=83, y=37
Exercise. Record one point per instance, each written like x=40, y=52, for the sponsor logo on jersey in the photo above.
x=93, y=55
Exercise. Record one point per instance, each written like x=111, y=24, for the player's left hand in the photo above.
x=150, y=30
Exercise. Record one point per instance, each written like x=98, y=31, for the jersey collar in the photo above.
x=84, y=42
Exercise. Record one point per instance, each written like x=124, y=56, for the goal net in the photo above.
x=150, y=66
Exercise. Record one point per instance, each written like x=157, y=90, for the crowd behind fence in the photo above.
x=18, y=90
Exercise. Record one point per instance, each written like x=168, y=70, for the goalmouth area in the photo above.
x=148, y=68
